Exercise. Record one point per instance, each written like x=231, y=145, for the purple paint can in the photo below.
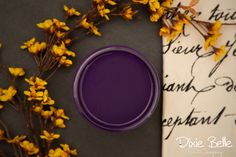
x=116, y=88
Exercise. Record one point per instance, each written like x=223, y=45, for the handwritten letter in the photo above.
x=199, y=94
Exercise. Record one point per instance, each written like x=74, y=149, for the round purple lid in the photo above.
x=116, y=88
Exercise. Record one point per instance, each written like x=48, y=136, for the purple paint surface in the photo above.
x=116, y=89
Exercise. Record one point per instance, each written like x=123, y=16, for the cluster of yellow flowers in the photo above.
x=54, y=26
x=8, y=93
x=175, y=28
x=63, y=151
x=28, y=147
x=157, y=9
x=43, y=103
x=34, y=46
x=212, y=34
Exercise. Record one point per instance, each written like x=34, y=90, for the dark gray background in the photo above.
x=18, y=19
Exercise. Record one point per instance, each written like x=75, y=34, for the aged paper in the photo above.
x=199, y=94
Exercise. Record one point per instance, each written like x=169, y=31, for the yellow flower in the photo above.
x=59, y=122
x=68, y=41
x=60, y=34
x=64, y=61
x=7, y=94
x=61, y=50
x=67, y=149
x=84, y=23
x=36, y=83
x=32, y=94
x=155, y=16
x=59, y=113
x=2, y=135
x=46, y=99
x=128, y=13
x=71, y=11
x=94, y=30
x=58, y=152
x=219, y=53
x=211, y=40
x=167, y=3
x=46, y=114
x=28, y=44
x=141, y=1
x=37, y=47
x=111, y=2
x=29, y=147
x=17, y=139
x=103, y=11
x=164, y=31
x=46, y=25
x=37, y=109
x=154, y=5
x=49, y=136
x=178, y=25
x=70, y=53
x=16, y=71
x=61, y=25
x=215, y=27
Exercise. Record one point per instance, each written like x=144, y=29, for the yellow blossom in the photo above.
x=58, y=152
x=49, y=136
x=70, y=53
x=17, y=139
x=71, y=11
x=46, y=25
x=64, y=61
x=84, y=23
x=46, y=99
x=28, y=44
x=7, y=94
x=37, y=47
x=154, y=5
x=36, y=83
x=61, y=25
x=67, y=149
x=59, y=50
x=111, y=2
x=34, y=46
x=167, y=3
x=32, y=94
x=2, y=135
x=59, y=122
x=37, y=109
x=103, y=11
x=29, y=147
x=128, y=13
x=16, y=71
x=59, y=113
x=46, y=114
x=155, y=16
x=215, y=27
x=68, y=41
x=164, y=31
x=141, y=1
x=94, y=30
x=219, y=53
x=211, y=40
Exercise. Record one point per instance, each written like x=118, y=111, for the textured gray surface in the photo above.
x=18, y=19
